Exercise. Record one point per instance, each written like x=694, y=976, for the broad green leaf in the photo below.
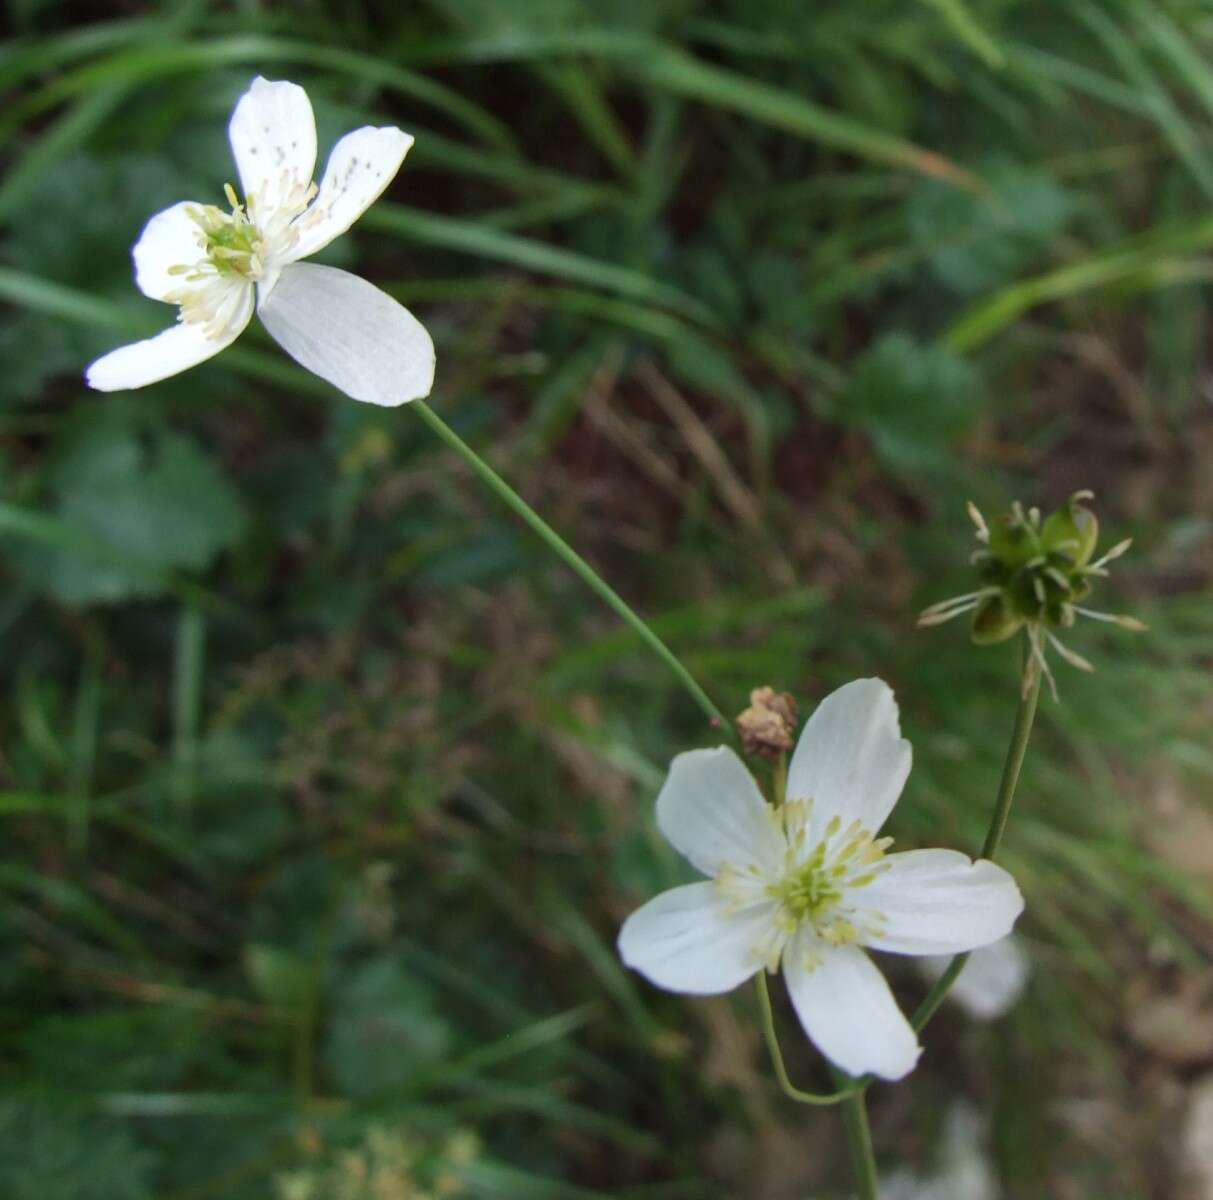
x=51, y=1150
x=913, y=400
x=385, y=1027
x=157, y=505
x=974, y=243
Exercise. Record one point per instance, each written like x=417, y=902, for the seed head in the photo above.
x=1035, y=575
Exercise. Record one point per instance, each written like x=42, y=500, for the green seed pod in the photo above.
x=1012, y=541
x=994, y=622
x=1034, y=577
x=1071, y=531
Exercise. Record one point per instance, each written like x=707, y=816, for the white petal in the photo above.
x=169, y=353
x=712, y=813
x=273, y=137
x=851, y=760
x=170, y=239
x=992, y=979
x=939, y=902
x=685, y=940
x=349, y=332
x=361, y=165
x=846, y=1008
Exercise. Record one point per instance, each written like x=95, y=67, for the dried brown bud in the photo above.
x=766, y=727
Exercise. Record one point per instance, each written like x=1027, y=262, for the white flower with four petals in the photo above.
x=809, y=886
x=217, y=266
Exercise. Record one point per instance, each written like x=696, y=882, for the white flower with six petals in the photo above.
x=809, y=886
x=218, y=267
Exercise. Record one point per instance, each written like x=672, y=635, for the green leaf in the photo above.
x=912, y=400
x=974, y=243
x=386, y=1025
x=280, y=978
x=52, y=1152
x=158, y=504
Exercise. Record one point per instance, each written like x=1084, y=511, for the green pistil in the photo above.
x=232, y=242
x=809, y=891
x=231, y=246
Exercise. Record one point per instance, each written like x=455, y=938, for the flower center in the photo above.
x=809, y=890
x=814, y=888
x=232, y=242
x=239, y=248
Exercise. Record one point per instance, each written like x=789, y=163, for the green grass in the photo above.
x=324, y=787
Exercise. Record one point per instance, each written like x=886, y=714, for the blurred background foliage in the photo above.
x=323, y=789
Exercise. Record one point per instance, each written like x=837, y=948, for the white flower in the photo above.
x=218, y=266
x=809, y=886
x=990, y=983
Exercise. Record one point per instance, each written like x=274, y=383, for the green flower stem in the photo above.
x=935, y=997
x=781, y=1071
x=850, y=1093
x=570, y=557
x=859, y=1142
x=1022, y=733
x=779, y=779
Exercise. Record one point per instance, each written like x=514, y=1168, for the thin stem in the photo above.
x=1025, y=716
x=935, y=997
x=781, y=1071
x=859, y=1143
x=570, y=557
x=779, y=779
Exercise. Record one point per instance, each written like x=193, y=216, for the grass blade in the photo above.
x=164, y=60
x=1158, y=259
x=1162, y=109
x=667, y=67
x=71, y=130
x=469, y=237
x=968, y=31
x=681, y=73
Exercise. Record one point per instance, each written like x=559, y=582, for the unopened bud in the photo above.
x=994, y=622
x=767, y=726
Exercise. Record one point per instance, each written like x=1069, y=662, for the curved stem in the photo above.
x=570, y=557
x=781, y=1071
x=1025, y=716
